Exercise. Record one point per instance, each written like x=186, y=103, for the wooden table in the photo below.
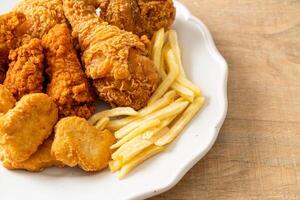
x=257, y=154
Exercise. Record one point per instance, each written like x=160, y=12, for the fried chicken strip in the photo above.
x=11, y=27
x=142, y=17
x=37, y=161
x=116, y=60
x=68, y=86
x=26, y=126
x=82, y=145
x=25, y=73
x=7, y=101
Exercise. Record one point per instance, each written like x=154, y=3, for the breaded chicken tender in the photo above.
x=7, y=101
x=77, y=142
x=11, y=27
x=26, y=126
x=68, y=87
x=25, y=73
x=37, y=161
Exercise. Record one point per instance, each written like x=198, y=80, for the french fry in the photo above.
x=150, y=133
x=168, y=81
x=163, y=63
x=114, y=165
x=101, y=124
x=145, y=125
x=159, y=134
x=129, y=152
x=164, y=101
x=149, y=152
x=159, y=38
x=183, y=91
x=185, y=118
x=119, y=123
x=170, y=110
x=129, y=144
x=119, y=111
x=188, y=84
x=173, y=40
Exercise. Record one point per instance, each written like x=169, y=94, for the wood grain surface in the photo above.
x=257, y=154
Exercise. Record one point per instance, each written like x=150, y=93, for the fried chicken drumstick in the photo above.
x=68, y=86
x=25, y=73
x=115, y=59
x=142, y=17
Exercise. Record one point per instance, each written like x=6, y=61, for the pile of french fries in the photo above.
x=147, y=132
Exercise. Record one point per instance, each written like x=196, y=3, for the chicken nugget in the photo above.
x=7, y=101
x=26, y=126
x=77, y=142
x=38, y=161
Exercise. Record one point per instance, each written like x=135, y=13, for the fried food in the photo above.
x=7, y=101
x=142, y=17
x=25, y=73
x=11, y=27
x=37, y=161
x=68, y=86
x=41, y=15
x=26, y=126
x=82, y=145
x=116, y=60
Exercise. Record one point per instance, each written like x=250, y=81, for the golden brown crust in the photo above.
x=111, y=57
x=68, y=86
x=26, y=126
x=25, y=73
x=41, y=15
x=76, y=142
x=134, y=92
x=38, y=161
x=7, y=101
x=11, y=26
x=142, y=17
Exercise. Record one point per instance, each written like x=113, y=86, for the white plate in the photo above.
x=207, y=68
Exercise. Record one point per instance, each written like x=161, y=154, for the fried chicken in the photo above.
x=142, y=17
x=11, y=27
x=68, y=87
x=7, y=101
x=26, y=126
x=116, y=60
x=41, y=15
x=37, y=161
x=82, y=145
x=25, y=73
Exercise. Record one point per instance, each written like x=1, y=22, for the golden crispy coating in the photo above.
x=108, y=54
x=137, y=91
x=37, y=161
x=41, y=15
x=68, y=86
x=11, y=27
x=76, y=142
x=25, y=73
x=26, y=126
x=142, y=17
x=7, y=101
